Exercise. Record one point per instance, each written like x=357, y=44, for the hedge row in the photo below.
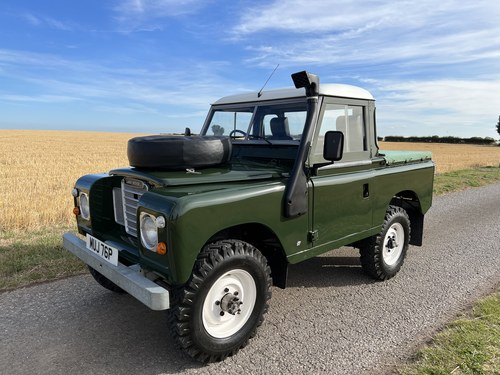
x=437, y=139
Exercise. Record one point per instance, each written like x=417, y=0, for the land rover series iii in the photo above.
x=204, y=225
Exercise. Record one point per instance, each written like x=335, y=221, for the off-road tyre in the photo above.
x=178, y=152
x=223, y=270
x=104, y=282
x=383, y=255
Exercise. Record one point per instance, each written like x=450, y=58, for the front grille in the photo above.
x=132, y=191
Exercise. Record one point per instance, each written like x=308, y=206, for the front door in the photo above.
x=341, y=201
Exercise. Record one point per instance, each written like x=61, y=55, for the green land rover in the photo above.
x=203, y=225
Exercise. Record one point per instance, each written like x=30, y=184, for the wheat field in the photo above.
x=452, y=157
x=38, y=169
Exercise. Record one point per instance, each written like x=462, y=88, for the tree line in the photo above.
x=437, y=139
x=447, y=139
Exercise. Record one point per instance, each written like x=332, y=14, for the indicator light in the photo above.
x=161, y=248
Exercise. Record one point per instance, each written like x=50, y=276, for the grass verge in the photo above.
x=460, y=180
x=469, y=345
x=28, y=257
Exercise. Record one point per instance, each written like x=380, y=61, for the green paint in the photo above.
x=245, y=198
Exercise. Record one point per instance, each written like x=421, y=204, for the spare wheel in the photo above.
x=178, y=152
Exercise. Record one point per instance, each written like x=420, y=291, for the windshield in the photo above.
x=283, y=121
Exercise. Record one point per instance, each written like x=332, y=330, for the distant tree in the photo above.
x=498, y=125
x=218, y=130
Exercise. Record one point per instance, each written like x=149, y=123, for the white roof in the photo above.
x=327, y=89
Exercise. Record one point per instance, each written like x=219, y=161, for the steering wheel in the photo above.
x=232, y=133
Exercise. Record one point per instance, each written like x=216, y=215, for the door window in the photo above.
x=350, y=120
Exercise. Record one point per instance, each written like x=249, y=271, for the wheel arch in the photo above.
x=266, y=241
x=409, y=201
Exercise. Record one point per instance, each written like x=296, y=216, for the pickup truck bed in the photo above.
x=403, y=157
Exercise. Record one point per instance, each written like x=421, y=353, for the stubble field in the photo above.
x=452, y=157
x=38, y=169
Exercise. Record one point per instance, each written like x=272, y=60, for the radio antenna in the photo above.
x=259, y=94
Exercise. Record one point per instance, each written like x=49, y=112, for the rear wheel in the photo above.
x=383, y=255
x=219, y=309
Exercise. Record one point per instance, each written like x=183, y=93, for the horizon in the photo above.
x=419, y=139
x=155, y=66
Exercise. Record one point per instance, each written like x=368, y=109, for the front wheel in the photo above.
x=220, y=308
x=104, y=282
x=383, y=255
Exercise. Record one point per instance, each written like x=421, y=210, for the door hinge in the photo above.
x=313, y=235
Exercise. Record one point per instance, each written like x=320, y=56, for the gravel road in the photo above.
x=331, y=319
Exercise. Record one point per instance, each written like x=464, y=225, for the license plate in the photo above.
x=106, y=252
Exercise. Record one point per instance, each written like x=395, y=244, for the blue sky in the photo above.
x=153, y=66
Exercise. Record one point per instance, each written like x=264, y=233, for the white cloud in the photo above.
x=33, y=20
x=145, y=15
x=60, y=78
x=296, y=32
x=302, y=16
x=460, y=47
x=18, y=59
x=38, y=98
x=157, y=8
x=440, y=107
x=49, y=22
x=58, y=25
x=126, y=110
x=433, y=67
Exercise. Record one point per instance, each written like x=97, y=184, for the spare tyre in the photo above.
x=178, y=152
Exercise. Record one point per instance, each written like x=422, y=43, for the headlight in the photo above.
x=84, y=206
x=149, y=231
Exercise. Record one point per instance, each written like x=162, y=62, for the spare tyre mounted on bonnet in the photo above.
x=178, y=152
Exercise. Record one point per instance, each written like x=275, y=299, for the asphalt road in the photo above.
x=331, y=319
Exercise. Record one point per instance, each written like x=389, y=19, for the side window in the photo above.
x=349, y=119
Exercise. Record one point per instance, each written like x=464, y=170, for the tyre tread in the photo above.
x=371, y=248
x=182, y=297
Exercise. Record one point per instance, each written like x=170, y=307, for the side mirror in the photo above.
x=333, y=147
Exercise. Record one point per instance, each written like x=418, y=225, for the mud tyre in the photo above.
x=178, y=152
x=215, y=314
x=383, y=255
x=104, y=282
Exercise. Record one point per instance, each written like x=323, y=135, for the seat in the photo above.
x=279, y=129
x=352, y=127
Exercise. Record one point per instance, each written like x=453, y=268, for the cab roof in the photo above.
x=326, y=89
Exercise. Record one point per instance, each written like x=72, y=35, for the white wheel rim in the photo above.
x=219, y=323
x=393, y=244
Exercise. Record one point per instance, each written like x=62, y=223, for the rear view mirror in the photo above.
x=334, y=146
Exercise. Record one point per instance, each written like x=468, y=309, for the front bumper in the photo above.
x=129, y=279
